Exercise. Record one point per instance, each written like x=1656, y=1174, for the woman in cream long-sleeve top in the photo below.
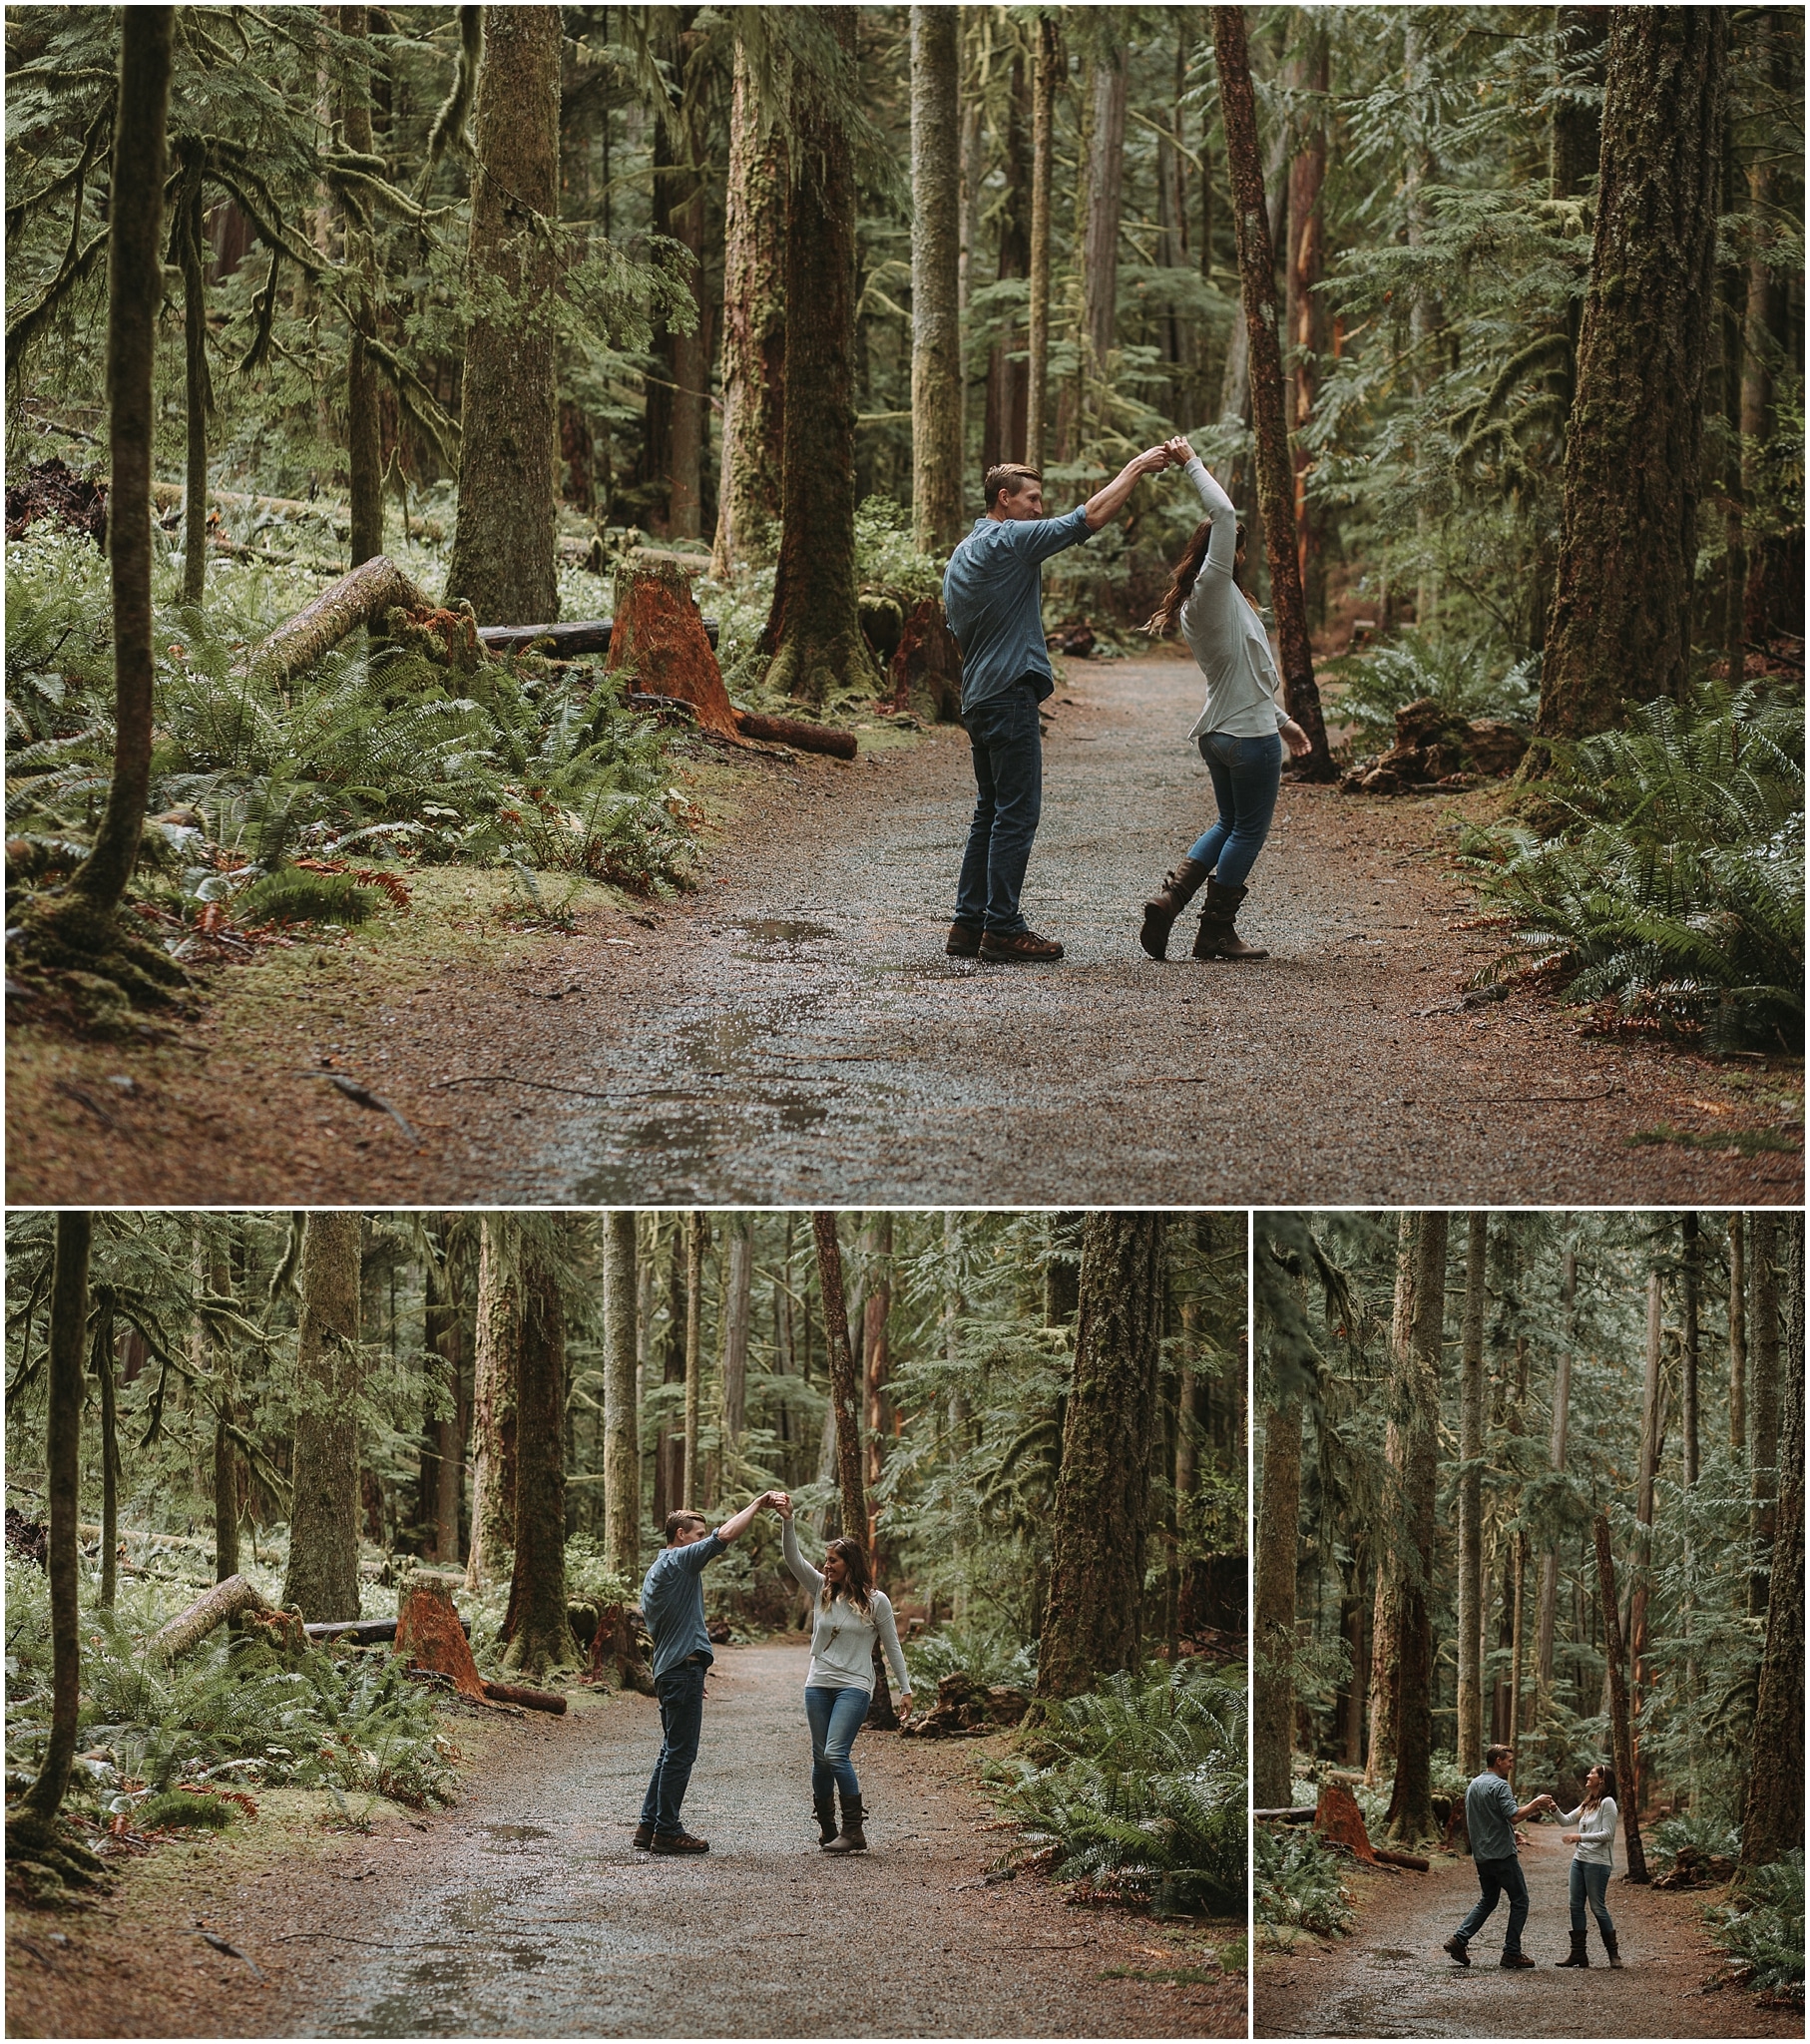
x=850, y=1615
x=1591, y=1865
x=1240, y=731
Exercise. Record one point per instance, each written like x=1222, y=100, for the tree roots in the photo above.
x=96, y=960
x=45, y=1860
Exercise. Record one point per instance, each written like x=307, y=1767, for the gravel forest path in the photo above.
x=1391, y=1979
x=792, y=1033
x=525, y=1911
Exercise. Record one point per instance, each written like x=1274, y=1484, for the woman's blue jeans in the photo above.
x=1590, y=1878
x=835, y=1716
x=1247, y=777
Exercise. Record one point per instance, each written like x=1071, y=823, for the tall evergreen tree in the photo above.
x=322, y=1576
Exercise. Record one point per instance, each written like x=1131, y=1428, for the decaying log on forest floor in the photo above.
x=215, y=1607
x=1388, y=1856
x=361, y=597
x=1302, y=1814
x=363, y=1632
x=795, y=732
x=528, y=1698
x=569, y=640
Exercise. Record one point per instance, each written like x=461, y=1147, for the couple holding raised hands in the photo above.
x=993, y=598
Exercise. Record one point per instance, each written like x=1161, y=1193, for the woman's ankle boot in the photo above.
x=826, y=1806
x=1178, y=889
x=1613, y=1949
x=854, y=1838
x=1579, y=1956
x=1217, y=937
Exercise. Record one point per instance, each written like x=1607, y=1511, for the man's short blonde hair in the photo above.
x=1010, y=476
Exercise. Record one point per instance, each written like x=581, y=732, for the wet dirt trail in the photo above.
x=1391, y=1979
x=794, y=1033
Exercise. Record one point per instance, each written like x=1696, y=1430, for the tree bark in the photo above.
x=697, y=1241
x=1410, y=1814
x=749, y=501
x=496, y=1371
x=536, y=1624
x=738, y=1307
x=1561, y=1410
x=1275, y=482
x=1307, y=309
x=813, y=629
x=1737, y=1335
x=444, y=1330
x=429, y=1635
x=1691, y=1336
x=658, y=636
x=1385, y=1629
x=1614, y=1653
x=1046, y=68
x=936, y=319
x=363, y=422
x=1644, y=1492
x=134, y=289
x=1576, y=138
x=876, y=1354
x=1101, y=1520
x=322, y=1576
x=669, y=1446
x=1765, y=326
x=1105, y=205
x=1773, y=1823
x=1469, y=1506
x=1273, y=1618
x=360, y=598
x=681, y=201
x=622, y=1415
x=1620, y=620
x=1008, y=382
x=1763, y=1514
x=503, y=542
x=844, y=1386
x=198, y=394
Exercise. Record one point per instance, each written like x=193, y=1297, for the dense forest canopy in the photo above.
x=1535, y=1479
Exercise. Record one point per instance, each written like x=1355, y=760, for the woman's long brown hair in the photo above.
x=1608, y=1787
x=1181, y=582
x=858, y=1584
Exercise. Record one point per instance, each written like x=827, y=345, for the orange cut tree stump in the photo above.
x=1339, y=1818
x=429, y=1635
x=929, y=662
x=658, y=632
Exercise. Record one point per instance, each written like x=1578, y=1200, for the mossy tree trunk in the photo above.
x=1621, y=1739
x=622, y=1415
x=503, y=541
x=363, y=425
x=1621, y=625
x=101, y=1361
x=185, y=234
x=813, y=629
x=1737, y=1333
x=1762, y=1524
x=1274, y=1611
x=1561, y=1416
x=1386, y=1621
x=843, y=1421
x=536, y=1624
x=1105, y=207
x=443, y=1328
x=322, y=1575
x=1774, y=1820
x=1410, y=1815
x=496, y=1374
x=697, y=1236
x=749, y=501
x=1003, y=422
x=1047, y=67
x=1275, y=473
x=134, y=289
x=1469, y=1506
x=681, y=203
x=1306, y=306
x=1101, y=1521
x=936, y=335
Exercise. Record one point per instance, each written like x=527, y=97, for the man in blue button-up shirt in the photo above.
x=992, y=597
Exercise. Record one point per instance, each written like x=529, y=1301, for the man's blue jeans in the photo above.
x=1008, y=777
x=1590, y=1877
x=835, y=1716
x=1247, y=776
x=680, y=1694
x=1499, y=1877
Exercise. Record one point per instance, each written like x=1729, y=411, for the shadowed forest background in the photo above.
x=513, y=300
x=1534, y=1479
x=341, y=1423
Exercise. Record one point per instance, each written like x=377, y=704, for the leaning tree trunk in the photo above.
x=134, y=289
x=1470, y=1507
x=1101, y=1513
x=813, y=629
x=1623, y=1742
x=322, y=1576
x=622, y=1415
x=1774, y=1820
x=1621, y=622
x=496, y=1368
x=1386, y=1623
x=1275, y=479
x=363, y=425
x=844, y=1387
x=936, y=321
x=749, y=501
x=1273, y=1615
x=536, y=1624
x=503, y=541
x=1410, y=1814
x=1046, y=66
x=301, y=642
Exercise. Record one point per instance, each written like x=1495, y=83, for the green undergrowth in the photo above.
x=990, y=1657
x=1137, y=1789
x=1660, y=871
x=1298, y=1885
x=1762, y=1930
x=1466, y=678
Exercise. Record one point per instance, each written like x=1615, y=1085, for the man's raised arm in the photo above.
x=733, y=1529
x=1106, y=504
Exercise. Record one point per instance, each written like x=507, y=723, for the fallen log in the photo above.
x=213, y=1607
x=1412, y=1861
x=1302, y=1814
x=568, y=640
x=366, y=1632
x=527, y=1698
x=360, y=598
x=795, y=732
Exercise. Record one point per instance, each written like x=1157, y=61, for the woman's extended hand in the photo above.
x=783, y=1504
x=1569, y=1837
x=905, y=1708
x=1179, y=452
x=1296, y=739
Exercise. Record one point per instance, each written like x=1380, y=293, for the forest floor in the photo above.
x=525, y=1911
x=1390, y=1978
x=792, y=1033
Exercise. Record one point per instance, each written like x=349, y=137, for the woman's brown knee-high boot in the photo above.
x=1178, y=889
x=1217, y=937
